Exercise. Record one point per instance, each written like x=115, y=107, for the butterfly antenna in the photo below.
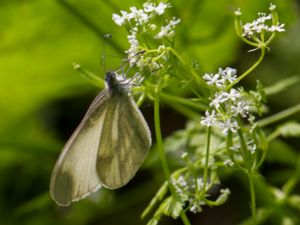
x=103, y=55
x=141, y=77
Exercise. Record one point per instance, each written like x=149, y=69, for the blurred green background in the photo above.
x=42, y=98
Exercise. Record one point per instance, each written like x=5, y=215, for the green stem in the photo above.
x=244, y=150
x=160, y=146
x=262, y=54
x=184, y=218
x=82, y=18
x=159, y=140
x=184, y=101
x=193, y=73
x=279, y=116
x=208, y=134
x=252, y=193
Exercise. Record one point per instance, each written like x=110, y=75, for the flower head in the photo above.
x=264, y=23
x=226, y=105
x=141, y=22
x=168, y=30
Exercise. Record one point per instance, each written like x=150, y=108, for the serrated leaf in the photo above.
x=290, y=129
x=224, y=194
x=171, y=207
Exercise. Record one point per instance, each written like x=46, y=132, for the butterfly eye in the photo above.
x=110, y=78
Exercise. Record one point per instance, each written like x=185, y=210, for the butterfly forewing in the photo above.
x=124, y=144
x=75, y=175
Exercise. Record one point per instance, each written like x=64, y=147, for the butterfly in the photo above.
x=106, y=149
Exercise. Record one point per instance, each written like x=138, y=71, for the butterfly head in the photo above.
x=115, y=83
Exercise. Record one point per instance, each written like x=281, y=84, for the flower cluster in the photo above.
x=222, y=78
x=186, y=192
x=226, y=105
x=190, y=190
x=141, y=22
x=260, y=25
x=140, y=16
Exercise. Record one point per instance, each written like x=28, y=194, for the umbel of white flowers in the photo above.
x=141, y=21
x=226, y=105
x=261, y=24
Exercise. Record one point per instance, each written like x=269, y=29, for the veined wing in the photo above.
x=124, y=143
x=75, y=176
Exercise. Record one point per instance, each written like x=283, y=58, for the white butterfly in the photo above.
x=106, y=149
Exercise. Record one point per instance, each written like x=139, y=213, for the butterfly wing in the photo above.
x=124, y=143
x=75, y=176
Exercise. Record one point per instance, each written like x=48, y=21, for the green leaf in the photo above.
x=158, y=197
x=282, y=153
x=153, y=221
x=260, y=138
x=290, y=129
x=281, y=85
x=294, y=201
x=171, y=207
x=223, y=196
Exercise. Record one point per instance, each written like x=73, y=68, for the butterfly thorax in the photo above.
x=114, y=85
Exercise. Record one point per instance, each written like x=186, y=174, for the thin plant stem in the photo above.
x=208, y=134
x=160, y=147
x=184, y=101
x=252, y=194
x=159, y=140
x=82, y=18
x=262, y=54
x=193, y=73
x=279, y=116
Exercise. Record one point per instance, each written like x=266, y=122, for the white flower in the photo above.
x=213, y=79
x=228, y=162
x=259, y=25
x=229, y=124
x=160, y=9
x=132, y=39
x=233, y=94
x=168, y=30
x=149, y=7
x=134, y=46
x=252, y=148
x=181, y=181
x=238, y=12
x=219, y=99
x=139, y=15
x=278, y=28
x=196, y=208
x=119, y=20
x=241, y=108
x=228, y=74
x=272, y=7
x=200, y=183
x=209, y=119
